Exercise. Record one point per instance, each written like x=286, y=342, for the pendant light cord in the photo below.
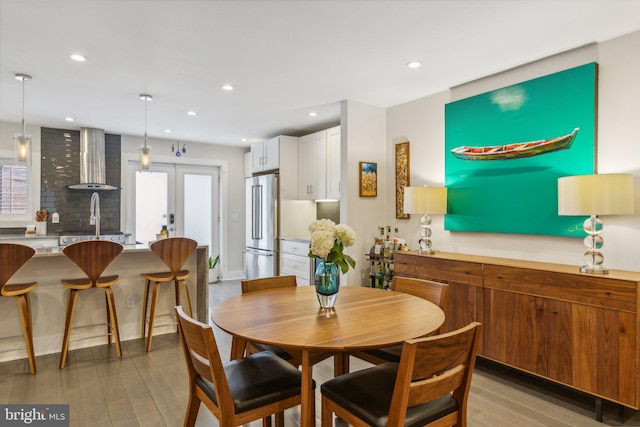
x=145, y=122
x=24, y=127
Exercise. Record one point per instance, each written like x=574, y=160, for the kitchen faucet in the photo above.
x=94, y=219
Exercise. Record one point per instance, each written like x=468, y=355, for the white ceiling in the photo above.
x=285, y=58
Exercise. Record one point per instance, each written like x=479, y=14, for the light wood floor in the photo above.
x=150, y=389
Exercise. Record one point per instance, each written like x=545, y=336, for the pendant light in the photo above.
x=145, y=151
x=23, y=141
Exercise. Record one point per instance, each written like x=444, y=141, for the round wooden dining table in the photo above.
x=291, y=318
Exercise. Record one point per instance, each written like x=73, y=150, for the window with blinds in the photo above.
x=14, y=189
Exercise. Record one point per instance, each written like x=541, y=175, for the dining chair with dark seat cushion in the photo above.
x=435, y=292
x=429, y=387
x=239, y=391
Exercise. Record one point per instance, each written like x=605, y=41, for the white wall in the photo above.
x=422, y=123
x=363, y=130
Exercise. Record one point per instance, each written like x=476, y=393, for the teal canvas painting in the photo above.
x=506, y=149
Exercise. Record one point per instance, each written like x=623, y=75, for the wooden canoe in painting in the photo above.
x=516, y=150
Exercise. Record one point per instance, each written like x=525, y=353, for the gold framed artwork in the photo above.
x=403, y=177
x=368, y=179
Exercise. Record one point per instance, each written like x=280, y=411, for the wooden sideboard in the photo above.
x=579, y=330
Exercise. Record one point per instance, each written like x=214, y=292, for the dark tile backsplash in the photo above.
x=61, y=168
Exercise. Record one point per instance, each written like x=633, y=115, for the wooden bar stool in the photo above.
x=93, y=257
x=174, y=252
x=12, y=257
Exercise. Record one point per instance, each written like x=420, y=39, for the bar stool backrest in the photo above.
x=93, y=256
x=12, y=257
x=174, y=251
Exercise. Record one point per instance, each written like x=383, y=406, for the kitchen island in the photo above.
x=48, y=300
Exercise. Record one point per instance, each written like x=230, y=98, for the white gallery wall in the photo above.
x=421, y=122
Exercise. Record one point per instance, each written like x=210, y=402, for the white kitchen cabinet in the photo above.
x=333, y=163
x=312, y=166
x=278, y=154
x=294, y=260
x=265, y=155
x=319, y=165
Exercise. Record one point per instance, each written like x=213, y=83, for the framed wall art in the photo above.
x=506, y=149
x=368, y=179
x=403, y=177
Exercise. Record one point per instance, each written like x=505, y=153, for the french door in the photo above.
x=181, y=197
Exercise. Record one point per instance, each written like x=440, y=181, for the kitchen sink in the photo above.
x=65, y=240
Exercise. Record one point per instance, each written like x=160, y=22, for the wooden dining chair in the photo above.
x=429, y=387
x=174, y=252
x=93, y=257
x=435, y=292
x=239, y=391
x=12, y=257
x=292, y=356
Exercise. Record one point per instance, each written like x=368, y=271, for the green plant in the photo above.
x=213, y=262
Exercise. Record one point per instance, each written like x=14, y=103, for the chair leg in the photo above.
x=266, y=421
x=192, y=408
x=144, y=308
x=71, y=305
x=24, y=306
x=109, y=320
x=187, y=300
x=113, y=317
x=327, y=415
x=280, y=419
x=152, y=314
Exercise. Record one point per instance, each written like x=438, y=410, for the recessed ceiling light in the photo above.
x=228, y=87
x=414, y=64
x=192, y=113
x=70, y=119
x=244, y=140
x=167, y=131
x=313, y=114
x=77, y=57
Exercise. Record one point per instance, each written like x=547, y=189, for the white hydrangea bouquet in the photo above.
x=328, y=241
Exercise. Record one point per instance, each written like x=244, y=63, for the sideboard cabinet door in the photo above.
x=515, y=330
x=593, y=349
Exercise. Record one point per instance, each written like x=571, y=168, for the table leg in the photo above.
x=237, y=348
x=340, y=364
x=307, y=405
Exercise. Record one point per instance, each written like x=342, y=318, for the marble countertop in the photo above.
x=300, y=239
x=58, y=250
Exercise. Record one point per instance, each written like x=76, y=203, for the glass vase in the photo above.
x=326, y=282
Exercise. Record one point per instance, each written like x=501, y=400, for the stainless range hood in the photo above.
x=92, y=161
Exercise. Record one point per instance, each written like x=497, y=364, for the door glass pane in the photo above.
x=151, y=204
x=197, y=213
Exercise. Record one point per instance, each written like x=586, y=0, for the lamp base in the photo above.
x=428, y=251
x=594, y=269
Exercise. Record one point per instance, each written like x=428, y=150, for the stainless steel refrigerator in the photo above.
x=261, y=246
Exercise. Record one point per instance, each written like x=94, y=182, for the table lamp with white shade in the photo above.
x=425, y=201
x=600, y=194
